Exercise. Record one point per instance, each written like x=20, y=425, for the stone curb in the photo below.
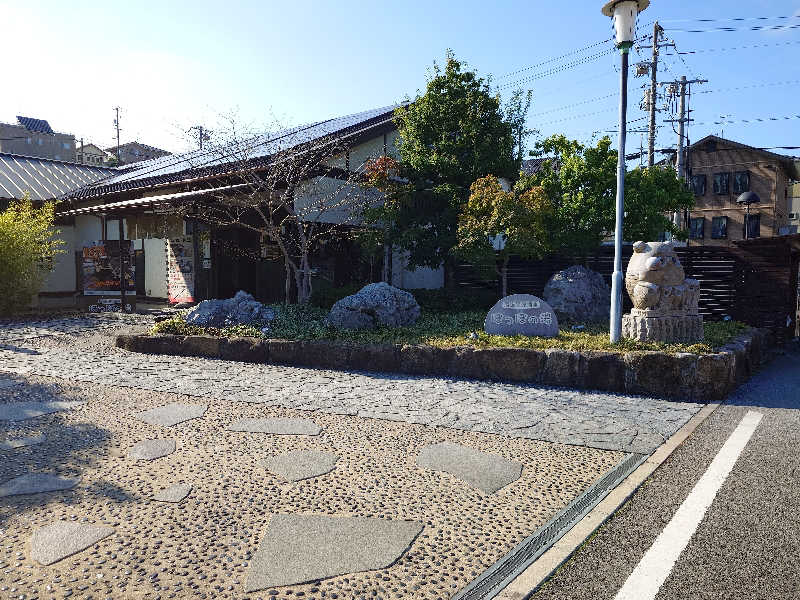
x=681, y=376
x=526, y=584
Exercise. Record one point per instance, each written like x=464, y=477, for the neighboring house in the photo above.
x=794, y=206
x=44, y=179
x=531, y=166
x=35, y=137
x=133, y=152
x=91, y=154
x=216, y=262
x=720, y=171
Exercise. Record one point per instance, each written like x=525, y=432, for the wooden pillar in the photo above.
x=121, y=265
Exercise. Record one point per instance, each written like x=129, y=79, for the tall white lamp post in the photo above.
x=624, y=13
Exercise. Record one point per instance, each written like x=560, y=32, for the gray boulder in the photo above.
x=242, y=309
x=373, y=305
x=579, y=294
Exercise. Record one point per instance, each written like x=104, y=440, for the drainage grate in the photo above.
x=499, y=575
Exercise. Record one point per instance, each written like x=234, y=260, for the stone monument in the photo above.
x=521, y=314
x=664, y=300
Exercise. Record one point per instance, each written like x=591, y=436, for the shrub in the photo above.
x=326, y=295
x=455, y=300
x=28, y=244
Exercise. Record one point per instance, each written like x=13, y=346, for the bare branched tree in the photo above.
x=295, y=188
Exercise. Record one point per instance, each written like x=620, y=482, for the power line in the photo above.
x=550, y=60
x=747, y=47
x=755, y=85
x=558, y=69
x=731, y=29
x=565, y=107
x=747, y=121
x=701, y=20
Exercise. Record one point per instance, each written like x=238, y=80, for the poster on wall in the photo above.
x=100, y=268
x=180, y=270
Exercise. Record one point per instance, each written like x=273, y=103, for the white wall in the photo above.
x=155, y=268
x=328, y=200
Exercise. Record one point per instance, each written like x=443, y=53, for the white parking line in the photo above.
x=657, y=563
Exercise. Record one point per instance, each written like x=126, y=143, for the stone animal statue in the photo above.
x=656, y=282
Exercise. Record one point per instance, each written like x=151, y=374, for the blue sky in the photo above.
x=172, y=64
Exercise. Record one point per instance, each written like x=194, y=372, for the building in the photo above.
x=794, y=206
x=720, y=171
x=91, y=154
x=180, y=258
x=133, y=152
x=35, y=137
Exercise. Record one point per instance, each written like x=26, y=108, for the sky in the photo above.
x=170, y=65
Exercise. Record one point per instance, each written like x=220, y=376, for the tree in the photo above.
x=581, y=183
x=521, y=217
x=450, y=136
x=296, y=199
x=28, y=245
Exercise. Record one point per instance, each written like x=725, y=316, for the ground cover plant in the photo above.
x=444, y=329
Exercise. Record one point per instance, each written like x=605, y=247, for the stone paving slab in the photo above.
x=27, y=330
x=22, y=442
x=595, y=419
x=36, y=483
x=174, y=493
x=151, y=449
x=302, y=548
x=19, y=411
x=297, y=465
x=482, y=470
x=171, y=414
x=61, y=539
x=278, y=426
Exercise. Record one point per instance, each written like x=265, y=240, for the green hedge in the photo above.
x=440, y=300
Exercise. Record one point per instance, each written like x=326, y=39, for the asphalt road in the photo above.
x=747, y=545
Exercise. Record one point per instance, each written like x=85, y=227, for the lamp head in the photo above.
x=748, y=198
x=624, y=13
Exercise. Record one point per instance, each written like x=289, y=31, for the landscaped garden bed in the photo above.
x=454, y=345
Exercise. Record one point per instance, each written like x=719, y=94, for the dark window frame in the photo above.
x=719, y=178
x=694, y=234
x=718, y=233
x=737, y=189
x=701, y=177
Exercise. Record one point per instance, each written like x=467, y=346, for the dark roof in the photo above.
x=44, y=178
x=37, y=125
x=790, y=163
x=139, y=145
x=531, y=166
x=216, y=161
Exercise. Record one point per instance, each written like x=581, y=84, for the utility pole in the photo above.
x=116, y=125
x=651, y=139
x=202, y=134
x=81, y=160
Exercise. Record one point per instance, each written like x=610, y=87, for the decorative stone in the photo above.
x=174, y=493
x=171, y=414
x=297, y=465
x=665, y=302
x=301, y=548
x=22, y=442
x=522, y=314
x=242, y=309
x=19, y=411
x=277, y=425
x=487, y=472
x=579, y=295
x=151, y=449
x=61, y=539
x=373, y=305
x=36, y=483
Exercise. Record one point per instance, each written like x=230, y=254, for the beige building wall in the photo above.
x=16, y=139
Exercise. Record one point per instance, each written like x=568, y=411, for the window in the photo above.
x=741, y=182
x=66, y=145
x=39, y=141
x=699, y=185
x=721, y=183
x=696, y=228
x=752, y=226
x=30, y=141
x=719, y=228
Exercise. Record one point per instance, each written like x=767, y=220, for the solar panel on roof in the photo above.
x=37, y=125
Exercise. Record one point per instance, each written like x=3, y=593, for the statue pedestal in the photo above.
x=655, y=326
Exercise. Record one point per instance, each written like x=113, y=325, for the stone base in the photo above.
x=687, y=328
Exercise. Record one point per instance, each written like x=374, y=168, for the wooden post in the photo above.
x=121, y=266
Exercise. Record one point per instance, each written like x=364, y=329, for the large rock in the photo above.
x=579, y=295
x=242, y=309
x=375, y=304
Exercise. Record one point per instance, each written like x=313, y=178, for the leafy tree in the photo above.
x=452, y=135
x=28, y=244
x=581, y=182
x=522, y=217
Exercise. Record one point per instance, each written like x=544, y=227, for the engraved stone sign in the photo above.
x=522, y=314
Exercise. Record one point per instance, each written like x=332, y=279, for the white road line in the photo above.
x=657, y=563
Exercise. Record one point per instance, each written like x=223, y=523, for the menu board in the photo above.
x=180, y=270
x=100, y=268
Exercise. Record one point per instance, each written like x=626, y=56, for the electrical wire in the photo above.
x=751, y=120
x=574, y=104
x=716, y=19
x=558, y=69
x=755, y=85
x=732, y=29
x=747, y=47
x=550, y=60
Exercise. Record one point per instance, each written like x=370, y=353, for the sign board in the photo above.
x=522, y=314
x=100, y=268
x=180, y=269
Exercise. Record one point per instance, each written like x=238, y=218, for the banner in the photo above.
x=100, y=268
x=180, y=270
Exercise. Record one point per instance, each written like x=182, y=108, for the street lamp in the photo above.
x=746, y=199
x=624, y=14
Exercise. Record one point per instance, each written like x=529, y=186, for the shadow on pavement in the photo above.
x=775, y=386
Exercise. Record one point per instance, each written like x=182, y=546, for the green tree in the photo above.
x=522, y=217
x=450, y=136
x=28, y=244
x=581, y=182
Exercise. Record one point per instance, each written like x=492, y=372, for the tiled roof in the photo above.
x=531, y=166
x=44, y=178
x=217, y=161
x=37, y=125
